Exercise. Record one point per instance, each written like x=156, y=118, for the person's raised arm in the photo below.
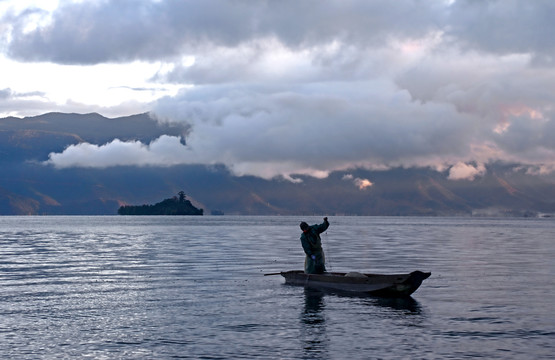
x=323, y=226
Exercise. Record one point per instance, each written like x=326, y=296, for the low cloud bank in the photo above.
x=164, y=151
x=315, y=129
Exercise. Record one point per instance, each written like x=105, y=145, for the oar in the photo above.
x=272, y=274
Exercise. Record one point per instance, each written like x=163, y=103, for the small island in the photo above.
x=178, y=205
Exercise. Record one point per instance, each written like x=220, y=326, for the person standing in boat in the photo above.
x=312, y=245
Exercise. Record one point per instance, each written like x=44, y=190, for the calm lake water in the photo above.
x=193, y=287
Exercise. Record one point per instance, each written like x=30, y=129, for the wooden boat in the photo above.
x=399, y=285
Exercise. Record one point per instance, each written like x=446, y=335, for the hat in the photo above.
x=304, y=226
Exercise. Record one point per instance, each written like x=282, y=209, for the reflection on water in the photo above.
x=192, y=287
x=406, y=305
x=316, y=329
x=313, y=321
x=313, y=306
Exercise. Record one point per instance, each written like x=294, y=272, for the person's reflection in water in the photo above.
x=313, y=331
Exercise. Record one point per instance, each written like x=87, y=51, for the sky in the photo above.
x=284, y=88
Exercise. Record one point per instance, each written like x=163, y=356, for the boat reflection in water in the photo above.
x=406, y=304
x=317, y=329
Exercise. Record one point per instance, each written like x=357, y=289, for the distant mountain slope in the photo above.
x=28, y=187
x=33, y=144
x=93, y=128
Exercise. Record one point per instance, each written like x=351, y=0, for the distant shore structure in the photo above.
x=177, y=205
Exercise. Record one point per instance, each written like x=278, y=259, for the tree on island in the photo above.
x=178, y=205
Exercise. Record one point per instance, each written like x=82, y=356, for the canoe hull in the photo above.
x=398, y=285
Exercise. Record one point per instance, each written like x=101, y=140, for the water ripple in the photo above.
x=180, y=287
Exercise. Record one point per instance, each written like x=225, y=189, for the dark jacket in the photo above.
x=312, y=245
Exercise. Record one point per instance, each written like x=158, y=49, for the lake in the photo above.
x=116, y=287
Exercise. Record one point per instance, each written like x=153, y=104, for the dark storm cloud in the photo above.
x=102, y=31
x=504, y=26
x=94, y=32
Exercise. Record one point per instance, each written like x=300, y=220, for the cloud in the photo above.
x=29, y=101
x=504, y=27
x=316, y=128
x=5, y=93
x=462, y=171
x=93, y=32
x=87, y=32
x=283, y=88
x=273, y=130
x=164, y=151
x=363, y=183
x=360, y=183
x=111, y=89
